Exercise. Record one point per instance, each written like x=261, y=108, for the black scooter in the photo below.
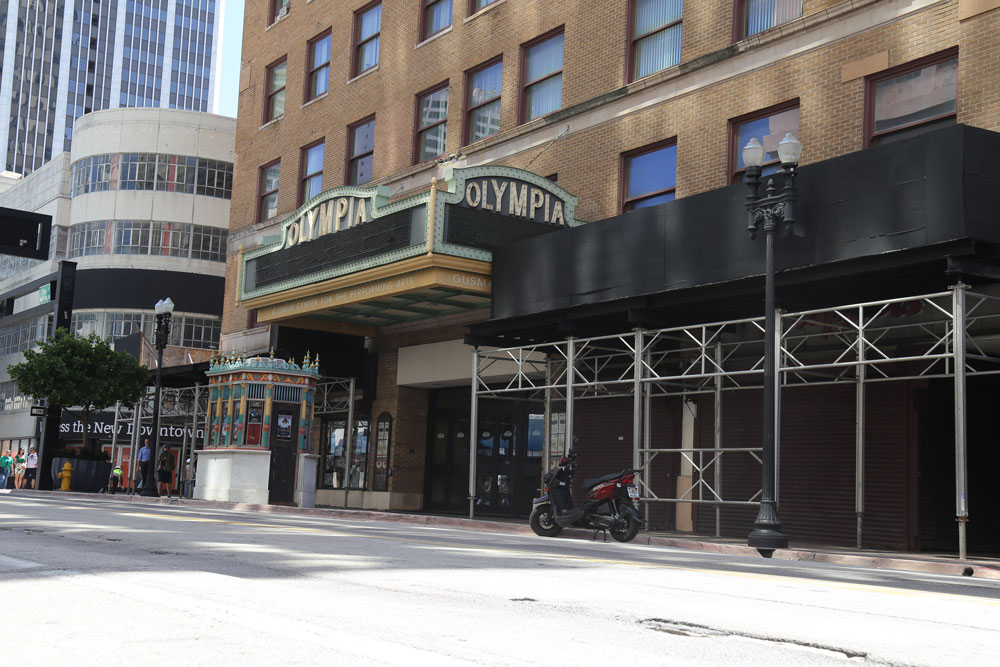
x=608, y=505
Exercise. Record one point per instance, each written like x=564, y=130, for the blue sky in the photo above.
x=232, y=41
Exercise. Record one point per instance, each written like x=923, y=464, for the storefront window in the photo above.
x=344, y=466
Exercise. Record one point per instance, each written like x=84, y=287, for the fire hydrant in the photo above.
x=67, y=472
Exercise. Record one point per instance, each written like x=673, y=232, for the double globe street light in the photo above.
x=766, y=213
x=163, y=308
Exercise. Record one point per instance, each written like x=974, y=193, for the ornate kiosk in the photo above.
x=260, y=413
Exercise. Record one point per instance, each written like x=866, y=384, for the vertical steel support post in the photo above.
x=647, y=439
x=473, y=431
x=115, y=452
x=133, y=454
x=779, y=334
x=637, y=402
x=961, y=472
x=859, y=432
x=570, y=377
x=717, y=433
x=547, y=428
x=348, y=442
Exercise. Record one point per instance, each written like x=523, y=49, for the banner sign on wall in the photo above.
x=102, y=425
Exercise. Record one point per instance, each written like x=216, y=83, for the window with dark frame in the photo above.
x=383, y=437
x=911, y=99
x=432, y=124
x=360, y=151
x=768, y=126
x=541, y=76
x=276, y=7
x=312, y=171
x=482, y=104
x=649, y=175
x=367, y=28
x=753, y=16
x=277, y=75
x=435, y=16
x=654, y=36
x=318, y=81
x=476, y=5
x=268, y=200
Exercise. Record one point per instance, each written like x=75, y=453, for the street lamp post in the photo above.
x=164, y=308
x=767, y=213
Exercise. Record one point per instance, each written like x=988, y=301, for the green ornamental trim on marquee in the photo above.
x=504, y=190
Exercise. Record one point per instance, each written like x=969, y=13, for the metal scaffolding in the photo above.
x=953, y=334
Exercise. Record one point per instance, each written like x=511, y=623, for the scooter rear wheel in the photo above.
x=543, y=521
x=627, y=530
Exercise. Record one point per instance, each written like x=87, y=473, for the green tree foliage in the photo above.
x=81, y=375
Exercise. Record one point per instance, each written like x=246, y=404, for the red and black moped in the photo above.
x=607, y=506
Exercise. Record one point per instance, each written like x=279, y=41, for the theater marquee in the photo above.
x=350, y=260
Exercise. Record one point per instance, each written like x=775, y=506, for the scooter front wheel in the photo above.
x=543, y=521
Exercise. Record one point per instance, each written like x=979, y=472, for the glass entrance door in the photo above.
x=448, y=463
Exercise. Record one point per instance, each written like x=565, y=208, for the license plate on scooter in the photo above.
x=633, y=491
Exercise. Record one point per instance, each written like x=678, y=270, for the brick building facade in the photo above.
x=637, y=102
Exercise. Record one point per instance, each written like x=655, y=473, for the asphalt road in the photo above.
x=100, y=581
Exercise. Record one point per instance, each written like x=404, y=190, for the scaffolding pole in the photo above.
x=547, y=429
x=717, y=439
x=473, y=432
x=637, y=403
x=961, y=473
x=570, y=372
x=859, y=433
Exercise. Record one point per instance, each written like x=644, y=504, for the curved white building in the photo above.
x=141, y=204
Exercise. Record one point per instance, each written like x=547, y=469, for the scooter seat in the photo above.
x=591, y=483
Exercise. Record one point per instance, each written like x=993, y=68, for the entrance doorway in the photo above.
x=281, y=486
x=509, y=438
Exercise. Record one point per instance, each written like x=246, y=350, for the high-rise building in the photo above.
x=61, y=60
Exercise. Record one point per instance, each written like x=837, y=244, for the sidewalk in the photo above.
x=929, y=563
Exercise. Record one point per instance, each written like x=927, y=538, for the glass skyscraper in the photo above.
x=60, y=60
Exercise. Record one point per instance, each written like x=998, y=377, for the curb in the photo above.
x=952, y=567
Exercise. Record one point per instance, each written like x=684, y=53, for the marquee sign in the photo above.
x=330, y=247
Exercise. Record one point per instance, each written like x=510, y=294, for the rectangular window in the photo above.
x=214, y=178
x=649, y=175
x=312, y=171
x=172, y=239
x=482, y=117
x=432, y=124
x=278, y=9
x=768, y=126
x=132, y=237
x=208, y=243
x=276, y=79
x=435, y=17
x=319, y=67
x=753, y=16
x=137, y=171
x=360, y=151
x=476, y=5
x=541, y=88
x=367, y=27
x=175, y=173
x=911, y=99
x=655, y=39
x=268, y=204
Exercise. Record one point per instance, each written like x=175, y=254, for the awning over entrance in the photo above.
x=348, y=261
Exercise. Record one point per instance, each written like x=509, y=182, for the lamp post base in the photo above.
x=766, y=534
x=150, y=493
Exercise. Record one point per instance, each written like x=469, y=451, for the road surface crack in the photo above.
x=686, y=629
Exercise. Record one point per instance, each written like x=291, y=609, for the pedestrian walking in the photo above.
x=165, y=470
x=6, y=463
x=19, y=462
x=144, y=454
x=31, y=466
